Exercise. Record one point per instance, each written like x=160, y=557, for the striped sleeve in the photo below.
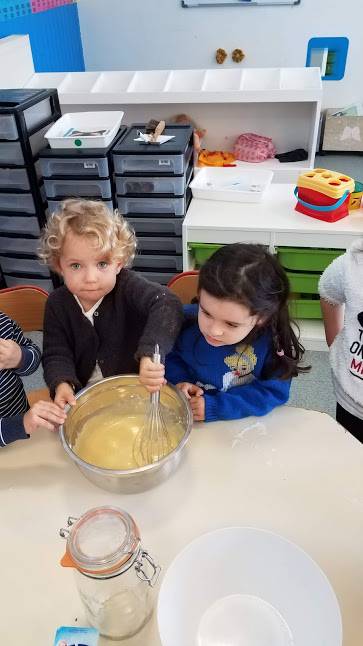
x=12, y=429
x=31, y=353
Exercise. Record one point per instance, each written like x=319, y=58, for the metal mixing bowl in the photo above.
x=105, y=393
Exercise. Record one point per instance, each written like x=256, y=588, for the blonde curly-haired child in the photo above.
x=106, y=319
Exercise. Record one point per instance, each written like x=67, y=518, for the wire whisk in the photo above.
x=152, y=442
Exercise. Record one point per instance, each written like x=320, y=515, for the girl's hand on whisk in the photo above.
x=189, y=389
x=197, y=404
x=151, y=375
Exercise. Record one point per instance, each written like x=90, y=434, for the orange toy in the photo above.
x=216, y=158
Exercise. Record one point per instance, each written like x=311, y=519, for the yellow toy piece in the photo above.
x=355, y=199
x=328, y=182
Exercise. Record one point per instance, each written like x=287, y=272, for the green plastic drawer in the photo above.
x=300, y=282
x=305, y=309
x=203, y=251
x=307, y=259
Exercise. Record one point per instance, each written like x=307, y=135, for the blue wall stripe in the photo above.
x=55, y=38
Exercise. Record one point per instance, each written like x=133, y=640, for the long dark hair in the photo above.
x=250, y=275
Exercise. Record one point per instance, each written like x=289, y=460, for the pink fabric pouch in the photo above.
x=253, y=148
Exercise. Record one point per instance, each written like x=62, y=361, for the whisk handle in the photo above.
x=155, y=397
x=156, y=356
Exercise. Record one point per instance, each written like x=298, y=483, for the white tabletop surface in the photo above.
x=275, y=213
x=300, y=476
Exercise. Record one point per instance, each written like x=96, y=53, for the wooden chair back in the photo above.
x=25, y=305
x=185, y=285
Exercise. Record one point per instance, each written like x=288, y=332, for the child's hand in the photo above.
x=197, y=404
x=64, y=395
x=189, y=389
x=11, y=355
x=40, y=413
x=151, y=375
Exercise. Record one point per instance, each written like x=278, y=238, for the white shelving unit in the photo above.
x=281, y=103
x=189, y=86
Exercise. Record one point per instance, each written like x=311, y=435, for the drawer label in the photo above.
x=89, y=165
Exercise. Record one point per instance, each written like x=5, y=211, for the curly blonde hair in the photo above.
x=110, y=233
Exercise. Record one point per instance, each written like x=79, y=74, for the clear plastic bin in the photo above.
x=72, y=166
x=162, y=277
x=23, y=265
x=18, y=245
x=171, y=164
x=15, y=224
x=171, y=263
x=153, y=205
x=160, y=245
x=34, y=116
x=147, y=185
x=14, y=178
x=55, y=205
x=12, y=202
x=12, y=154
x=157, y=226
x=78, y=188
x=16, y=281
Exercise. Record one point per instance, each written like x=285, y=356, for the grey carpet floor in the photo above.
x=351, y=165
x=313, y=391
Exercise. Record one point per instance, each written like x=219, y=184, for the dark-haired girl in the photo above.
x=238, y=360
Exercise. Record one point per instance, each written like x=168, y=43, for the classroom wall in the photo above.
x=139, y=34
x=54, y=35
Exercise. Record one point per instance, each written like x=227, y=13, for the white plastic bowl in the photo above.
x=242, y=586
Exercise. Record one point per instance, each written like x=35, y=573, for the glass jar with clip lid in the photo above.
x=114, y=574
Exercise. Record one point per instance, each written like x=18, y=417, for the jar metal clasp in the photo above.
x=140, y=568
x=64, y=532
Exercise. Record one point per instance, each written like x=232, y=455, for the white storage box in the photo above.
x=231, y=184
x=84, y=122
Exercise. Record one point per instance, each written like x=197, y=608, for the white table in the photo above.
x=272, y=222
x=300, y=476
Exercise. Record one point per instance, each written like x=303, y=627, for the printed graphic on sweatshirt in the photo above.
x=356, y=349
x=205, y=386
x=241, y=365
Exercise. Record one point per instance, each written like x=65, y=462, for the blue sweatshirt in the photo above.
x=230, y=375
x=13, y=400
